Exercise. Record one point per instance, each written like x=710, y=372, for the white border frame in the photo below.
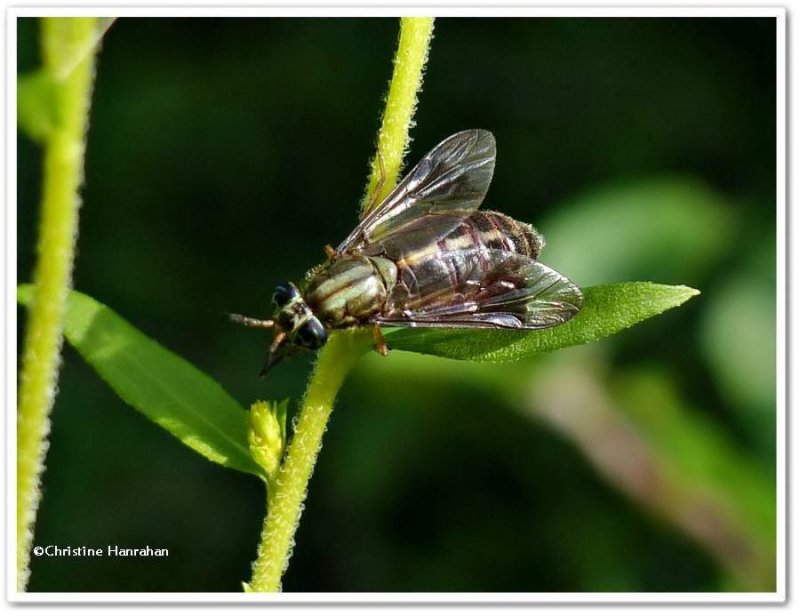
x=356, y=9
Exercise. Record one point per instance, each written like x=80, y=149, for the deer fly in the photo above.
x=426, y=257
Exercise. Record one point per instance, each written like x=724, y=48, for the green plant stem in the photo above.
x=401, y=103
x=63, y=165
x=343, y=350
x=285, y=503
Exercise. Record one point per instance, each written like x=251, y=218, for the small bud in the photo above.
x=267, y=435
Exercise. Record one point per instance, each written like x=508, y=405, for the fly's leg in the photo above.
x=380, y=341
x=329, y=251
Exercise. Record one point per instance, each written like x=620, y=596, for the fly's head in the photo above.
x=295, y=319
x=293, y=323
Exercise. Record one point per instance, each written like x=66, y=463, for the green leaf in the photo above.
x=37, y=104
x=607, y=310
x=267, y=436
x=66, y=42
x=164, y=387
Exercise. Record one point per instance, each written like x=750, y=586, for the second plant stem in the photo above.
x=69, y=62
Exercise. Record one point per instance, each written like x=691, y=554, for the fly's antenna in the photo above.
x=250, y=321
x=273, y=355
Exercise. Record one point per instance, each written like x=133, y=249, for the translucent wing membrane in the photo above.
x=481, y=288
x=447, y=185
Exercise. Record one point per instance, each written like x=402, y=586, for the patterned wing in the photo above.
x=481, y=288
x=447, y=185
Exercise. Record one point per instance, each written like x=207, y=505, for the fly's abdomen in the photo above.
x=481, y=230
x=495, y=231
x=450, y=269
x=349, y=290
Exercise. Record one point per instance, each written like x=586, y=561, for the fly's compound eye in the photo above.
x=311, y=334
x=283, y=294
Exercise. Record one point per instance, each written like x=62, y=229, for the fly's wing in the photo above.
x=447, y=185
x=482, y=288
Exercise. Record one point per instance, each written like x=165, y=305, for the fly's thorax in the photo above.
x=349, y=289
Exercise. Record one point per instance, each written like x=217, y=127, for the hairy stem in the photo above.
x=67, y=50
x=285, y=502
x=343, y=350
x=401, y=103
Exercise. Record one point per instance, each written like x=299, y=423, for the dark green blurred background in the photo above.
x=224, y=153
